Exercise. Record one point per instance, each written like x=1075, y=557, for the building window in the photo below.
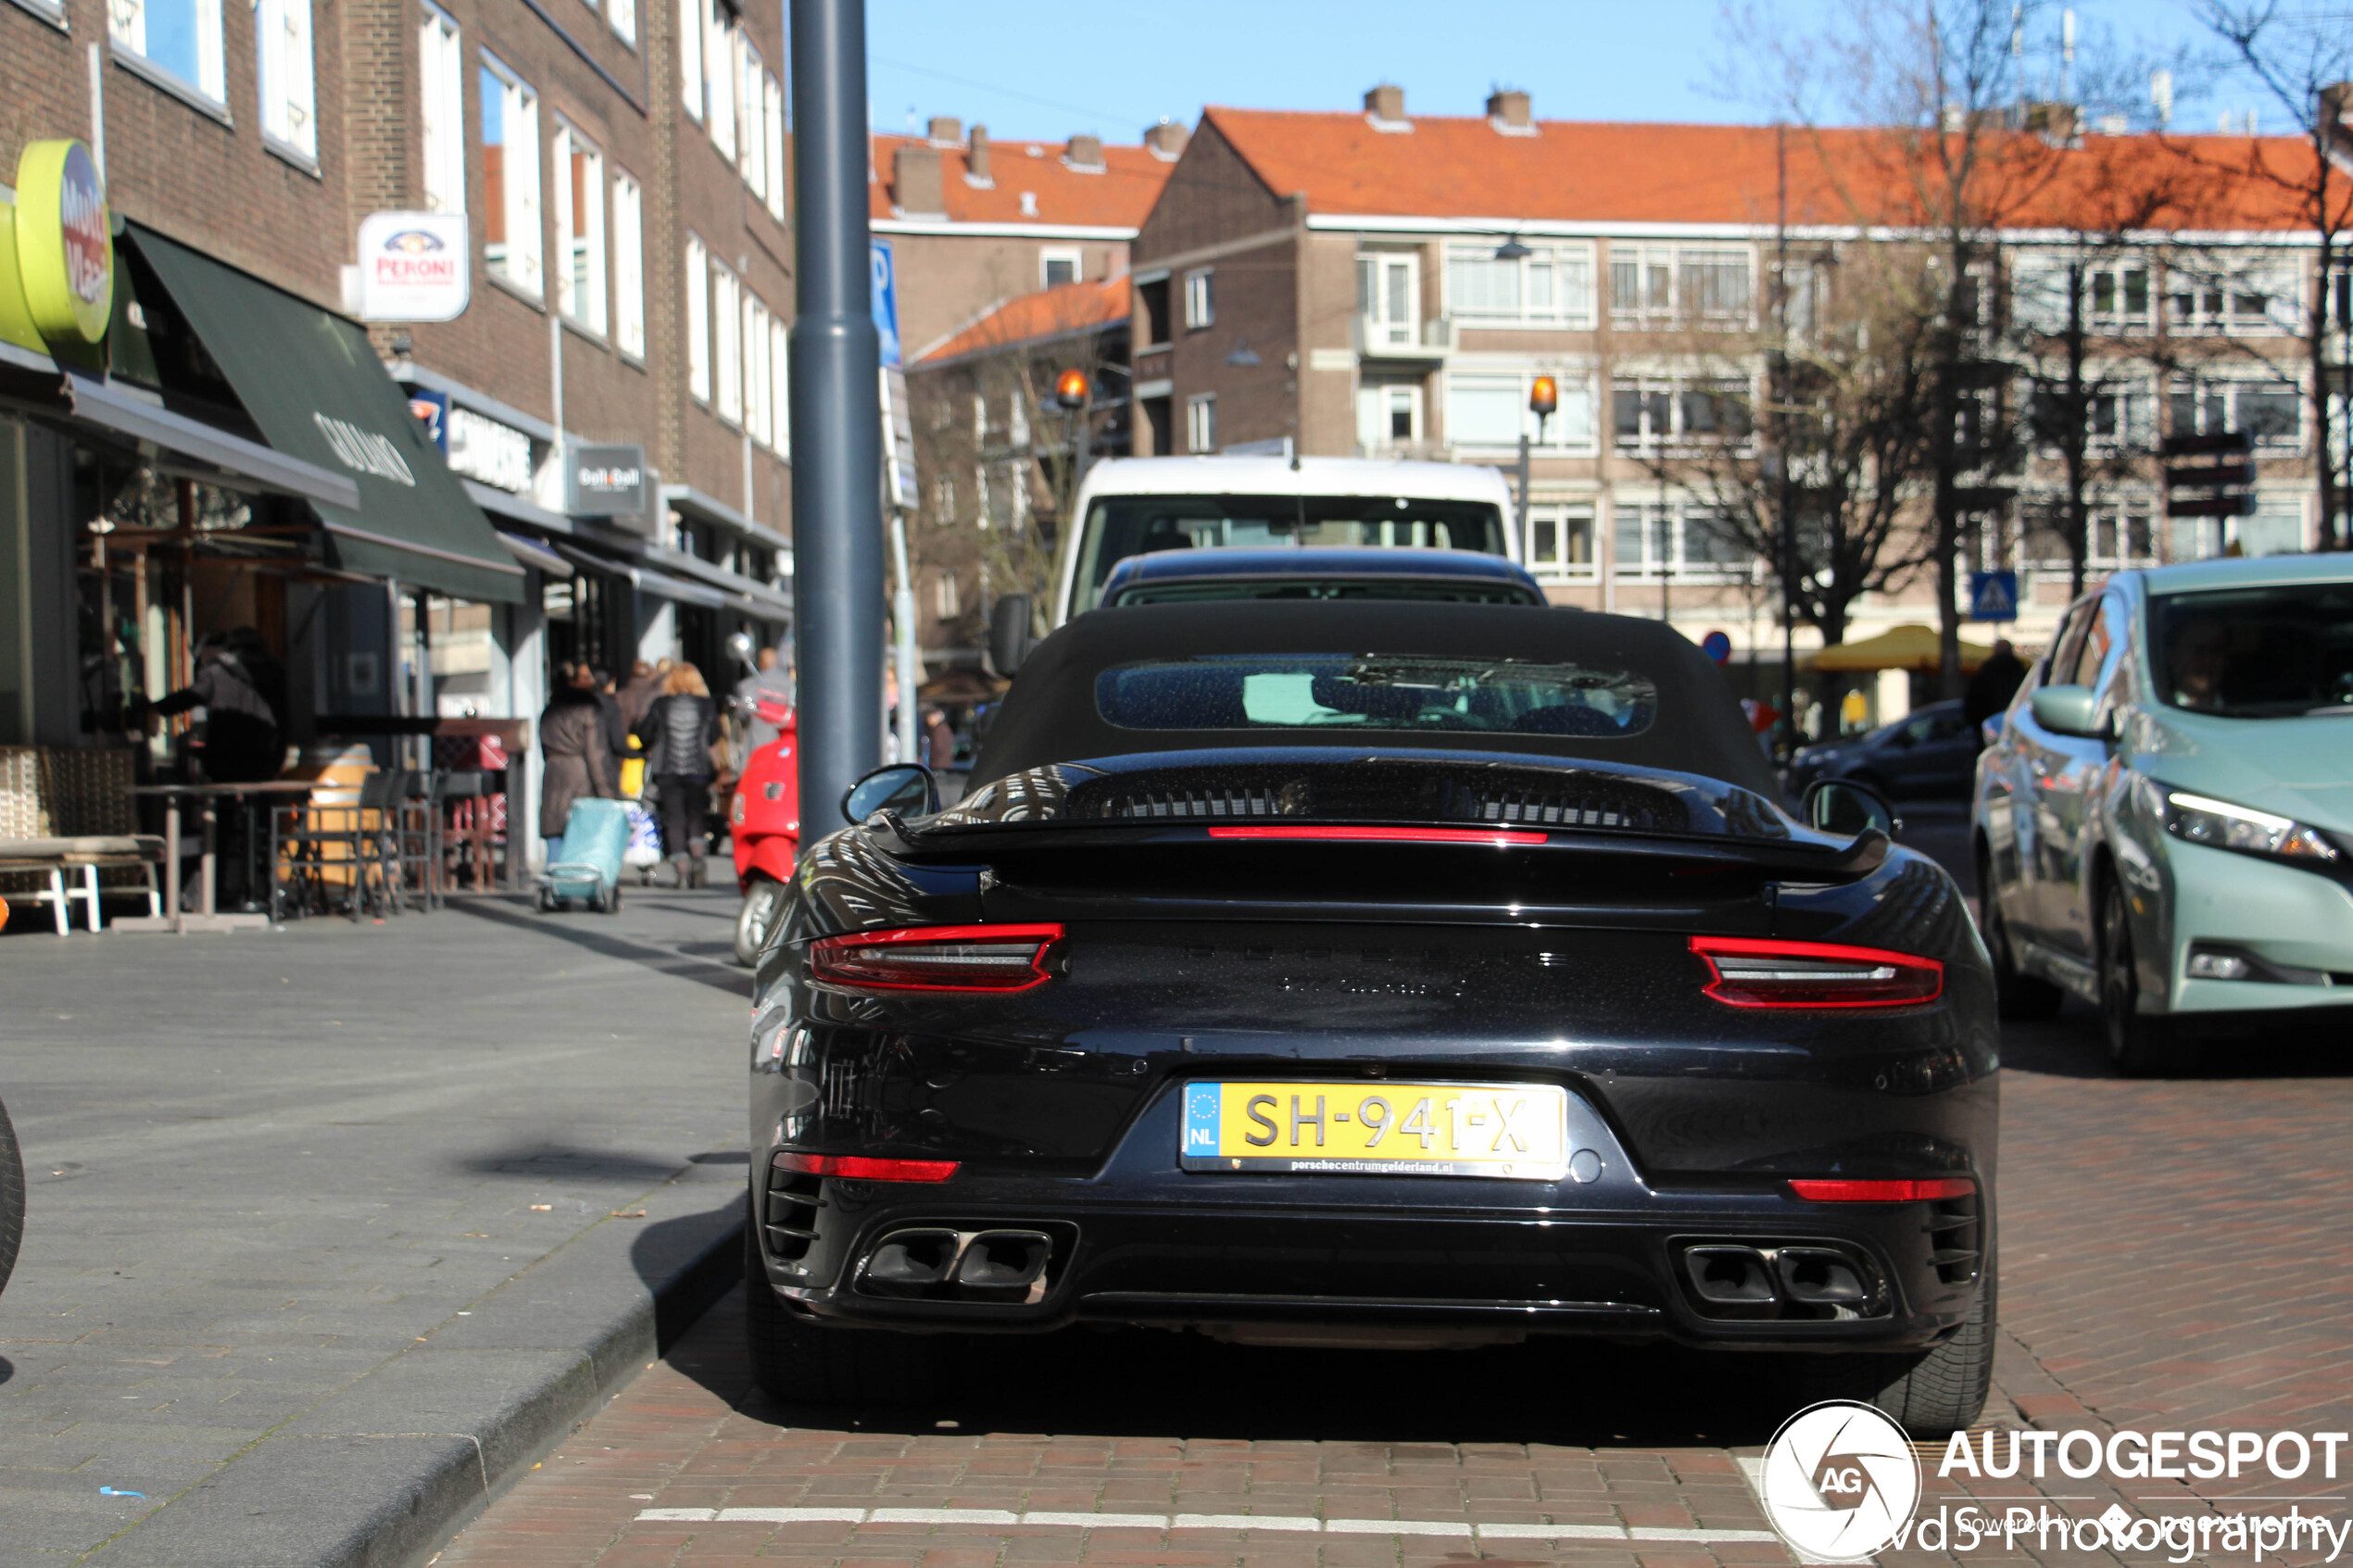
x=1057, y=266
x=1647, y=414
x=1389, y=300
x=1200, y=418
x=510, y=177
x=719, y=78
x=580, y=227
x=2116, y=418
x=1665, y=285
x=945, y=600
x=441, y=98
x=1551, y=286
x=2119, y=531
x=751, y=131
x=690, y=29
x=771, y=93
x=1490, y=409
x=2116, y=297
x=623, y=14
x=2269, y=411
x=1676, y=540
x=283, y=63
x=698, y=320
x=628, y=264
x=1560, y=541
x=756, y=372
x=943, y=500
x=2229, y=294
x=727, y=363
x=181, y=38
x=1201, y=303
x=780, y=364
x=1387, y=417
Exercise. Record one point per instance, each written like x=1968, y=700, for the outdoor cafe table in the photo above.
x=207, y=797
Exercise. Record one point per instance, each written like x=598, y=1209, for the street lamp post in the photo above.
x=1070, y=395
x=1543, y=398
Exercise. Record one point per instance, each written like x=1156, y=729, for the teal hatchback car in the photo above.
x=2165, y=825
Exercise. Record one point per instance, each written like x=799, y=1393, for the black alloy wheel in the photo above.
x=11, y=1198
x=757, y=919
x=1932, y=1394
x=796, y=1360
x=2019, y=995
x=2140, y=1045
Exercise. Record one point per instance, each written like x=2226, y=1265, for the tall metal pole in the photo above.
x=1786, y=513
x=837, y=415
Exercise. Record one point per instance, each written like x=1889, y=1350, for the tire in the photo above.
x=2139, y=1045
x=2019, y=996
x=546, y=901
x=757, y=919
x=796, y=1362
x=612, y=901
x=1931, y=1395
x=11, y=1198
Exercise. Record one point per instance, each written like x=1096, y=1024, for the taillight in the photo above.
x=1496, y=836
x=1831, y=1190
x=937, y=958
x=860, y=1167
x=1750, y=972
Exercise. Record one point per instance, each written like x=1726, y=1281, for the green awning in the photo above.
x=318, y=392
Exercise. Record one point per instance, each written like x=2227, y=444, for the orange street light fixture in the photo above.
x=1069, y=389
x=1544, y=397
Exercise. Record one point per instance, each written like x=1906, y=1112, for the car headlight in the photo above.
x=2202, y=820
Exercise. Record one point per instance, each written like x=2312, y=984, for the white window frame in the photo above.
x=1201, y=422
x=773, y=96
x=518, y=181
x=1378, y=405
x=946, y=602
x=1048, y=255
x=2109, y=518
x=1679, y=516
x=286, y=70
x=127, y=27
x=441, y=109
x=698, y=320
x=1676, y=436
x=2218, y=288
x=580, y=281
x=690, y=38
x=1558, y=516
x=1201, y=299
x=1663, y=266
x=719, y=79
x=727, y=352
x=623, y=17
x=1559, y=433
x=628, y=264
x=2229, y=388
x=2038, y=293
x=780, y=364
x=1387, y=282
x=756, y=381
x=1570, y=265
x=751, y=131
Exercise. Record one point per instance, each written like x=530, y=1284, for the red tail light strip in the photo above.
x=937, y=958
x=1750, y=972
x=1499, y=837
x=1909, y=1191
x=858, y=1167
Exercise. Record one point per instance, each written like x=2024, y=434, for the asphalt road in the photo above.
x=262, y=1165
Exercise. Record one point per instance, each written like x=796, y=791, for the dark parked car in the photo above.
x=1929, y=755
x=1374, y=975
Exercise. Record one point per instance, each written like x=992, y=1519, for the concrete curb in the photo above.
x=383, y=1473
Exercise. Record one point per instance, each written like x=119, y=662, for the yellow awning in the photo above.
x=1899, y=648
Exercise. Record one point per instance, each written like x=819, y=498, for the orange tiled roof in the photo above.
x=1117, y=197
x=1049, y=313
x=1460, y=167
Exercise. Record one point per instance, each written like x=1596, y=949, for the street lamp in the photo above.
x=1512, y=250
x=1070, y=393
x=1543, y=399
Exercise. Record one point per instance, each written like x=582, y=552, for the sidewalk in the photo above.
x=333, y=1228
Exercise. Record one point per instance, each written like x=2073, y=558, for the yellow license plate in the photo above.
x=1511, y=1130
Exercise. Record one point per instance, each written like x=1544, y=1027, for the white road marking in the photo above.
x=983, y=1517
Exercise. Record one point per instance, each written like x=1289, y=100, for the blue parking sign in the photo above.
x=1992, y=595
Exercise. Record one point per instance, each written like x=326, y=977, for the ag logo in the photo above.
x=1840, y=1481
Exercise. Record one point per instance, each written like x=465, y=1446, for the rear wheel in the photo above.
x=2019, y=995
x=798, y=1361
x=1931, y=1396
x=757, y=919
x=11, y=1198
x=2141, y=1044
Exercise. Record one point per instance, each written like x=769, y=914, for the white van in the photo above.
x=1135, y=506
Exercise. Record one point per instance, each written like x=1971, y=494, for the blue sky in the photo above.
x=1113, y=66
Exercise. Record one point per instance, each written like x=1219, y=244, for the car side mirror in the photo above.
x=906, y=788
x=1848, y=808
x=1009, y=633
x=2067, y=710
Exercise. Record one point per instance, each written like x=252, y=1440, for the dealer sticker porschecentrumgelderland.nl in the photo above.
x=1839, y=1483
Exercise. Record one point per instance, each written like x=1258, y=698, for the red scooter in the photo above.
x=763, y=820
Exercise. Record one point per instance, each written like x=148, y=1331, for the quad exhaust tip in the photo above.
x=1733, y=1279
x=1004, y=1266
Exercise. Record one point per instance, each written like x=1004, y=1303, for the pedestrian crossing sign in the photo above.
x=1992, y=595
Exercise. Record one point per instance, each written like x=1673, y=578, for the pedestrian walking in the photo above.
x=679, y=732
x=638, y=692
x=579, y=754
x=1990, y=690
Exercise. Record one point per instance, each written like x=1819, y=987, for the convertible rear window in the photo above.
x=1375, y=693
x=1418, y=590
x=2256, y=653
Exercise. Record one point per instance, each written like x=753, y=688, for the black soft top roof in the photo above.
x=1049, y=715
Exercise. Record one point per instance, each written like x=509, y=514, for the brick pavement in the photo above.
x=2174, y=1254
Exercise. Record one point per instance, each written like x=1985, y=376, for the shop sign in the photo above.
x=414, y=267
x=482, y=448
x=605, y=481
x=64, y=243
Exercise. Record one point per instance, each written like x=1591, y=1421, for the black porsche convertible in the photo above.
x=1379, y=975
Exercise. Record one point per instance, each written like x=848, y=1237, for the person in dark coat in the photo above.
x=241, y=688
x=1990, y=690
x=573, y=737
x=678, y=733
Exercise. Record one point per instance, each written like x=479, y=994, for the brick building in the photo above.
x=1400, y=279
